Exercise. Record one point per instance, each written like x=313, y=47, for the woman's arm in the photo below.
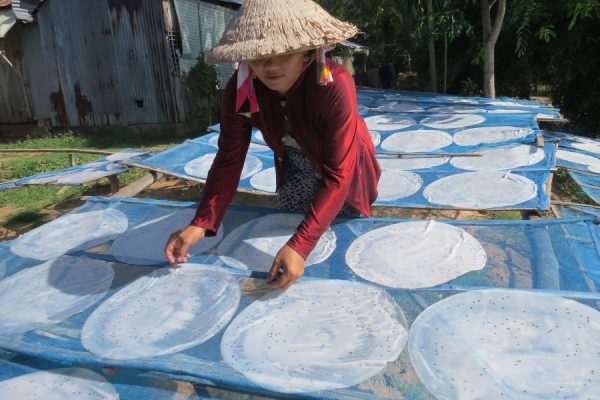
x=224, y=175
x=221, y=183
x=340, y=153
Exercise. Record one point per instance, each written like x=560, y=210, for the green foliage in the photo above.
x=25, y=165
x=469, y=88
x=566, y=189
x=583, y=9
x=202, y=80
x=202, y=84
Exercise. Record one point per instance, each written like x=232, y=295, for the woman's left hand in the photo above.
x=287, y=267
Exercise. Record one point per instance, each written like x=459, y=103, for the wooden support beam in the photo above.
x=114, y=183
x=136, y=187
x=84, y=151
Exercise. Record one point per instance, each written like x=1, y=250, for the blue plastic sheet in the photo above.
x=129, y=384
x=7, y=185
x=501, y=110
x=583, y=170
x=173, y=161
x=521, y=122
x=430, y=101
x=102, y=167
x=554, y=256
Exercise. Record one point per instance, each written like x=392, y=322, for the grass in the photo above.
x=25, y=205
x=565, y=188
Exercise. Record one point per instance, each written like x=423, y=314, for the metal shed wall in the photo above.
x=201, y=25
x=101, y=62
x=24, y=9
x=15, y=103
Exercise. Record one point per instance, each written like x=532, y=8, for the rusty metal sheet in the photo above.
x=15, y=104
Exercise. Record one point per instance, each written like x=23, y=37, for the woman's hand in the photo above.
x=287, y=267
x=176, y=249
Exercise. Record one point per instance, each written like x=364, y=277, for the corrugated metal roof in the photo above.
x=7, y=20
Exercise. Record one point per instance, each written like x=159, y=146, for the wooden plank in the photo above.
x=85, y=151
x=426, y=155
x=136, y=187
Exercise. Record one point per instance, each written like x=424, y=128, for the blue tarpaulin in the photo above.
x=559, y=256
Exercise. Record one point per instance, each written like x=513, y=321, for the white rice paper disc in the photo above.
x=452, y=121
x=399, y=108
x=375, y=138
x=415, y=254
x=459, y=109
x=258, y=137
x=590, y=162
x=253, y=245
x=505, y=344
x=78, y=178
x=507, y=111
x=265, y=180
x=317, y=335
x=403, y=97
x=255, y=147
x=71, y=232
x=200, y=166
x=421, y=140
x=502, y=158
x=481, y=190
x=388, y=122
x=545, y=116
x=169, y=311
x=59, y=384
x=396, y=185
x=49, y=293
x=490, y=134
x=469, y=102
x=123, y=155
x=500, y=103
x=587, y=145
x=410, y=163
x=50, y=177
x=144, y=245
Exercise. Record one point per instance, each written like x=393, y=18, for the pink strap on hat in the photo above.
x=246, y=101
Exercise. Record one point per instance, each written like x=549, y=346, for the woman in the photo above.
x=306, y=109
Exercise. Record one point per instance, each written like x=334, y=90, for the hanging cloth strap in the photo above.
x=323, y=71
x=246, y=102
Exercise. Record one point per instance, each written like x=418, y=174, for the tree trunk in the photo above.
x=489, y=81
x=432, y=66
x=490, y=37
x=445, y=61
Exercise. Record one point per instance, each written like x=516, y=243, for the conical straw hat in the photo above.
x=265, y=28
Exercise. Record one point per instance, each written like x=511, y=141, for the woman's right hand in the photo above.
x=176, y=249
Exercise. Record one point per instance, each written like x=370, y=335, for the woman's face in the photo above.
x=279, y=73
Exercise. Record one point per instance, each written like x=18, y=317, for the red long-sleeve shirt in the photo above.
x=324, y=121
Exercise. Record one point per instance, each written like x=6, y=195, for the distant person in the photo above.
x=305, y=107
